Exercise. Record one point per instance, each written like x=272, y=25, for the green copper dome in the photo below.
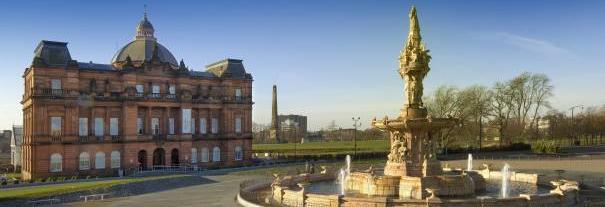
x=141, y=49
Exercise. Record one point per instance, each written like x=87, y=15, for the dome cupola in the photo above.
x=143, y=48
x=145, y=29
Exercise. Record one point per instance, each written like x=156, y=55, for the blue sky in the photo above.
x=330, y=59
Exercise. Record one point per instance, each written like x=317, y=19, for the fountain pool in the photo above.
x=493, y=189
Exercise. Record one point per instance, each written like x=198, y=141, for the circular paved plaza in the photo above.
x=220, y=189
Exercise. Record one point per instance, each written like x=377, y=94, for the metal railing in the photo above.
x=182, y=168
x=56, y=138
x=49, y=92
x=115, y=138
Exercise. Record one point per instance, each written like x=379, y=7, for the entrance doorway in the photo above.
x=159, y=157
x=143, y=160
x=175, y=157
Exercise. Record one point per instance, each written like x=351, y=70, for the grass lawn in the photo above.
x=293, y=169
x=57, y=189
x=323, y=147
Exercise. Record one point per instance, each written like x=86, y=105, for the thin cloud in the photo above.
x=531, y=44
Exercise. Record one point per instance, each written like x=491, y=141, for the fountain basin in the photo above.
x=451, y=184
x=324, y=190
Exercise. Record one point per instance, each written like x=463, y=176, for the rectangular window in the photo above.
x=55, y=125
x=155, y=126
x=238, y=125
x=113, y=126
x=214, y=129
x=99, y=126
x=170, y=125
x=83, y=123
x=55, y=84
x=186, y=119
x=140, y=88
x=202, y=125
x=238, y=94
x=155, y=89
x=140, y=126
x=172, y=89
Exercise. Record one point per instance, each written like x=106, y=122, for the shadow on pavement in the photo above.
x=131, y=189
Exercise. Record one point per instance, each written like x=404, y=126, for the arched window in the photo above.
x=100, y=160
x=216, y=154
x=205, y=155
x=115, y=159
x=84, y=161
x=56, y=162
x=238, y=153
x=193, y=155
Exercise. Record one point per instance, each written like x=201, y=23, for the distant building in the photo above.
x=5, y=141
x=292, y=127
x=16, y=141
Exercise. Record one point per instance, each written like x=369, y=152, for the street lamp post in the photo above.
x=573, y=124
x=355, y=125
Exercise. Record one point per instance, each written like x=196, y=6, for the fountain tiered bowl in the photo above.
x=330, y=189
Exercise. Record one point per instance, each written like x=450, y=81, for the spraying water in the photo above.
x=348, y=162
x=342, y=181
x=469, y=162
x=505, y=180
x=344, y=173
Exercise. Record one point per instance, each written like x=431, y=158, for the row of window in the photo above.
x=55, y=125
x=84, y=160
x=56, y=160
x=216, y=154
x=55, y=84
x=155, y=125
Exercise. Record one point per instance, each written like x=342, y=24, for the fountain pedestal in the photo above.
x=412, y=146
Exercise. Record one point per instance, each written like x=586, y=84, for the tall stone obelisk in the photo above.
x=274, y=130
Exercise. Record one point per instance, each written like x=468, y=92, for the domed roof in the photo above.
x=141, y=50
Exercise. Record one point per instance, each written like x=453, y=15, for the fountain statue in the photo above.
x=412, y=160
x=412, y=142
x=412, y=175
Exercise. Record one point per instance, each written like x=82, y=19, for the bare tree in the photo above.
x=501, y=108
x=446, y=102
x=477, y=104
x=542, y=90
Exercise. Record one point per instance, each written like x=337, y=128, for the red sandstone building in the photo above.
x=142, y=110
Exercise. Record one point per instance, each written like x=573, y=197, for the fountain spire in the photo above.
x=414, y=38
x=413, y=67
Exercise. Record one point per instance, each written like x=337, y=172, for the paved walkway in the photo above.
x=222, y=189
x=222, y=192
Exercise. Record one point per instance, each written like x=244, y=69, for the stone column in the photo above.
x=147, y=122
